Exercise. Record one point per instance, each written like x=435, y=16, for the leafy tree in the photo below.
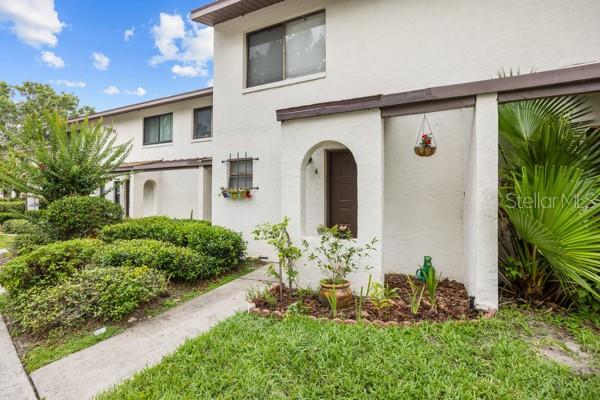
x=18, y=102
x=53, y=159
x=277, y=236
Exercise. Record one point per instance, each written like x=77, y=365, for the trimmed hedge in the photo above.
x=178, y=262
x=25, y=244
x=12, y=206
x=104, y=294
x=5, y=216
x=226, y=246
x=19, y=226
x=48, y=265
x=81, y=216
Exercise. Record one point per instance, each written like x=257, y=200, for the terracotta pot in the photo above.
x=343, y=293
x=424, y=151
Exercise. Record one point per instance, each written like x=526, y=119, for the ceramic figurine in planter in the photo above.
x=337, y=255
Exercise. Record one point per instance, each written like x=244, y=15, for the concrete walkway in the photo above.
x=14, y=383
x=83, y=374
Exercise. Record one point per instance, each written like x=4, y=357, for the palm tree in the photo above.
x=549, y=196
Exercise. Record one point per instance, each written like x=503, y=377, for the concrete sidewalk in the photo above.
x=14, y=383
x=84, y=374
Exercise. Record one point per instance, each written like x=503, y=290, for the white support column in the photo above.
x=199, y=212
x=132, y=197
x=481, y=204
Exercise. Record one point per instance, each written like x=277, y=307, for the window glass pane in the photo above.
x=203, y=123
x=305, y=46
x=240, y=174
x=166, y=128
x=265, y=56
x=151, y=130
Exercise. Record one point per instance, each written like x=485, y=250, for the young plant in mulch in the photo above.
x=431, y=282
x=415, y=296
x=359, y=301
x=277, y=236
x=383, y=297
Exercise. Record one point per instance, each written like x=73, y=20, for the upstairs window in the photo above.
x=289, y=50
x=240, y=173
x=202, y=123
x=158, y=129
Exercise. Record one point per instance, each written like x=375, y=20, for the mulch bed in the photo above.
x=451, y=297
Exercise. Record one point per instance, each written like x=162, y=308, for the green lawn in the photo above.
x=5, y=240
x=249, y=357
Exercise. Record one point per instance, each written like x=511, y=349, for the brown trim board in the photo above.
x=223, y=10
x=573, y=80
x=194, y=94
x=163, y=165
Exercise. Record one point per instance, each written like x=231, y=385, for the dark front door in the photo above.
x=342, y=192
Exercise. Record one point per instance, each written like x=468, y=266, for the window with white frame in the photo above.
x=202, y=123
x=288, y=50
x=158, y=129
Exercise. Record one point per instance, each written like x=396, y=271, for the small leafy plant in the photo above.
x=332, y=301
x=415, y=296
x=258, y=296
x=359, y=302
x=297, y=308
x=277, y=236
x=382, y=297
x=338, y=253
x=431, y=282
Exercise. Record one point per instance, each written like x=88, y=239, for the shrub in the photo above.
x=5, y=216
x=92, y=294
x=226, y=246
x=19, y=226
x=12, y=206
x=24, y=244
x=81, y=216
x=178, y=262
x=35, y=216
x=48, y=265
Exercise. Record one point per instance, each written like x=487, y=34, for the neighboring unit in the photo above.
x=314, y=114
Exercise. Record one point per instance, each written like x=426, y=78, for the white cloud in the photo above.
x=137, y=92
x=34, y=22
x=191, y=48
x=52, y=60
x=129, y=33
x=112, y=89
x=68, y=83
x=188, y=71
x=101, y=62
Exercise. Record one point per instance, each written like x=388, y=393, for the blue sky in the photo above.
x=81, y=47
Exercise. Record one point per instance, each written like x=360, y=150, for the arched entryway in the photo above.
x=149, y=198
x=330, y=188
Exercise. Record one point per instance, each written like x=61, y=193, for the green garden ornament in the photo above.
x=424, y=268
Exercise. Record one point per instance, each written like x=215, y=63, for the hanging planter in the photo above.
x=426, y=144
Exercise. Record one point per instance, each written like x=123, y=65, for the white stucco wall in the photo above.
x=385, y=46
x=362, y=134
x=130, y=126
x=381, y=46
x=178, y=193
x=424, y=196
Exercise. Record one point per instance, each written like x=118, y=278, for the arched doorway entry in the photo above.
x=330, y=188
x=149, y=199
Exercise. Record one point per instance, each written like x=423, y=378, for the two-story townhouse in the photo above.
x=316, y=107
